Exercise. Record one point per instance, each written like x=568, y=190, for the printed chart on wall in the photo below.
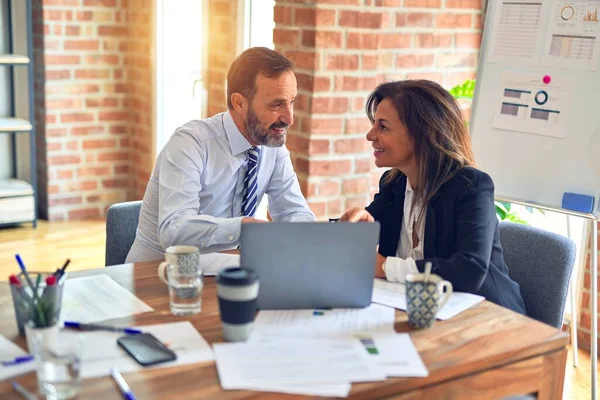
x=516, y=38
x=572, y=40
x=529, y=105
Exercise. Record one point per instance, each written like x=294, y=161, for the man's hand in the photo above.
x=379, y=273
x=357, y=214
x=249, y=220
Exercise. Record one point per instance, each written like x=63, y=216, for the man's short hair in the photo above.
x=242, y=74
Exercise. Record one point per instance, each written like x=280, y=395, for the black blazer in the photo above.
x=462, y=238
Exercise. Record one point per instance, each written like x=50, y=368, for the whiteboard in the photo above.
x=538, y=140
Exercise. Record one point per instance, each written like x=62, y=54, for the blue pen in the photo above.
x=96, y=327
x=123, y=386
x=24, y=392
x=24, y=270
x=17, y=361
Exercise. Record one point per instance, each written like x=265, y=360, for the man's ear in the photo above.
x=239, y=103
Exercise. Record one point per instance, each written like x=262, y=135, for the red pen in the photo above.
x=50, y=280
x=14, y=280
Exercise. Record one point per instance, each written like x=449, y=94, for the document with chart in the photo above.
x=527, y=104
x=572, y=39
x=517, y=37
x=326, y=323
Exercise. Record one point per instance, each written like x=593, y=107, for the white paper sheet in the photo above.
x=212, y=263
x=313, y=389
x=394, y=295
x=283, y=361
x=98, y=298
x=396, y=354
x=8, y=352
x=101, y=351
x=527, y=104
x=393, y=352
x=573, y=35
x=326, y=323
x=517, y=37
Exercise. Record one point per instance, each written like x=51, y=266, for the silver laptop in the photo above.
x=311, y=264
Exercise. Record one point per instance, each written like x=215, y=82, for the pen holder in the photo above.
x=27, y=309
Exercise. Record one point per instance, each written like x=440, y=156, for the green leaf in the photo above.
x=506, y=205
x=501, y=212
x=465, y=90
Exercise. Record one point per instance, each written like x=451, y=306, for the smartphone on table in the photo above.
x=146, y=349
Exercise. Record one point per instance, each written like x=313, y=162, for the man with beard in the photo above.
x=212, y=173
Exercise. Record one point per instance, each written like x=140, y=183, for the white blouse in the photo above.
x=396, y=268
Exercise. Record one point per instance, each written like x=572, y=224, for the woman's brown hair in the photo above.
x=437, y=128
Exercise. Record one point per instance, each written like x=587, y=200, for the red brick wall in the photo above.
x=93, y=83
x=139, y=73
x=222, y=49
x=585, y=315
x=342, y=51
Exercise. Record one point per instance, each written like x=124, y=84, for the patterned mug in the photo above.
x=186, y=259
x=425, y=299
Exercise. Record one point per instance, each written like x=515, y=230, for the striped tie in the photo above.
x=251, y=183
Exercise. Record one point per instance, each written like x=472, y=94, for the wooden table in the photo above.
x=486, y=352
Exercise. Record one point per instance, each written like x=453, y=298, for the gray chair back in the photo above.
x=121, y=225
x=541, y=262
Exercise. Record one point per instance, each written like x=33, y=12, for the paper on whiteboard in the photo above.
x=517, y=37
x=526, y=104
x=572, y=40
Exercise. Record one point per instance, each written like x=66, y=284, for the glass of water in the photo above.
x=185, y=290
x=58, y=364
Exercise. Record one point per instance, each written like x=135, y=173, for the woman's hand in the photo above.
x=379, y=272
x=357, y=214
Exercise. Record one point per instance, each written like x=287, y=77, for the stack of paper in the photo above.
x=336, y=347
x=101, y=351
x=326, y=323
x=212, y=263
x=393, y=294
x=8, y=352
x=296, y=365
x=396, y=354
x=98, y=298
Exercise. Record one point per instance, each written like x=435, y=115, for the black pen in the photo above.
x=60, y=272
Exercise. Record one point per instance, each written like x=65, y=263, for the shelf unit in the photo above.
x=18, y=198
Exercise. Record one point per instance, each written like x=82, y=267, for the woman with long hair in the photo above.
x=433, y=204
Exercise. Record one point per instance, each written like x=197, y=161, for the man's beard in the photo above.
x=261, y=136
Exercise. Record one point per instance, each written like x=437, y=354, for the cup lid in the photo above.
x=237, y=276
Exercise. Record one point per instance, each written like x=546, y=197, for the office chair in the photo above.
x=541, y=262
x=121, y=225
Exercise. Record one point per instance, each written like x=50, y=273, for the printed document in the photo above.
x=101, y=351
x=212, y=263
x=98, y=298
x=9, y=351
x=326, y=323
x=259, y=363
x=393, y=294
